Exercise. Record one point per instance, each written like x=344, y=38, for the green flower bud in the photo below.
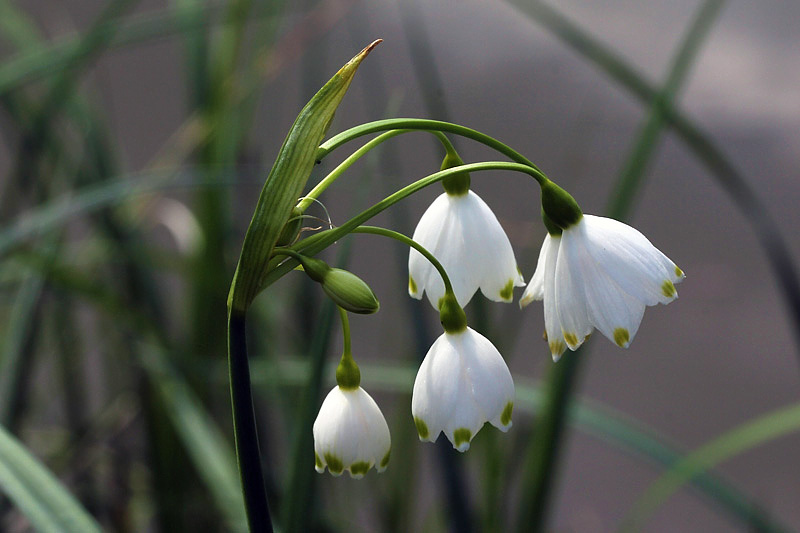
x=451, y=314
x=559, y=206
x=350, y=292
x=346, y=289
x=457, y=184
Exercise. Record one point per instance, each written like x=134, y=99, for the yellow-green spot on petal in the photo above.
x=360, y=468
x=679, y=272
x=422, y=428
x=505, y=417
x=385, y=460
x=668, y=289
x=557, y=347
x=412, y=285
x=318, y=461
x=621, y=337
x=334, y=463
x=508, y=291
x=462, y=436
x=571, y=339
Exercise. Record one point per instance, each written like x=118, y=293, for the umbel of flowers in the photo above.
x=592, y=273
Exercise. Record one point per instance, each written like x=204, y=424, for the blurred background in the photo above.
x=135, y=137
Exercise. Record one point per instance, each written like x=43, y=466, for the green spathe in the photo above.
x=285, y=184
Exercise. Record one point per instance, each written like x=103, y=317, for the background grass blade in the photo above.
x=38, y=494
x=740, y=439
x=208, y=449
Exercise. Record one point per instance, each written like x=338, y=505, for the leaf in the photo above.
x=39, y=495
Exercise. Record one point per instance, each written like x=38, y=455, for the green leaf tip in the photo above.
x=285, y=184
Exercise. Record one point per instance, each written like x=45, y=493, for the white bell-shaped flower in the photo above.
x=350, y=433
x=599, y=273
x=462, y=383
x=462, y=232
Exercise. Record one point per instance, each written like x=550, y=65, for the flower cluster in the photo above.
x=592, y=273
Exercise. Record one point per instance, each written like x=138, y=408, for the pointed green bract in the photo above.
x=285, y=184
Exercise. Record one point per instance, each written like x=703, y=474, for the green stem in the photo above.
x=420, y=124
x=318, y=242
x=374, y=230
x=344, y=165
x=244, y=427
x=358, y=154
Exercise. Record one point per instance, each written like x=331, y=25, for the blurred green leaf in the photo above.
x=39, y=495
x=212, y=456
x=742, y=438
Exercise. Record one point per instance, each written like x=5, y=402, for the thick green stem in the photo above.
x=244, y=427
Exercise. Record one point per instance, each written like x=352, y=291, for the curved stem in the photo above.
x=344, y=165
x=318, y=242
x=318, y=189
x=421, y=125
x=374, y=230
x=244, y=426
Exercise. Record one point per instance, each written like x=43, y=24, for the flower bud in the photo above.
x=346, y=289
x=350, y=292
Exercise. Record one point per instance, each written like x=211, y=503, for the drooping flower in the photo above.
x=462, y=232
x=599, y=273
x=462, y=383
x=350, y=433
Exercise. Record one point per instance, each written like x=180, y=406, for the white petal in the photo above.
x=628, y=258
x=552, y=323
x=435, y=390
x=429, y=234
x=535, y=288
x=571, y=282
x=489, y=250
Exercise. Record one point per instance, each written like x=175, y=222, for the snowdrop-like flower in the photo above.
x=462, y=383
x=599, y=273
x=350, y=433
x=464, y=235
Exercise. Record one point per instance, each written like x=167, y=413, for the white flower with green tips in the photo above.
x=599, y=273
x=461, y=231
x=350, y=433
x=462, y=383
